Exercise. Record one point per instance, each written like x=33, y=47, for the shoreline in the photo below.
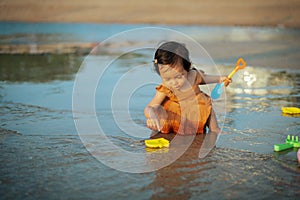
x=58, y=48
x=280, y=53
x=210, y=24
x=221, y=53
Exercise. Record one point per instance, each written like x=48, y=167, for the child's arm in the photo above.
x=153, y=121
x=207, y=79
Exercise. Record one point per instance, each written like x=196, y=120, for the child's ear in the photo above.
x=156, y=68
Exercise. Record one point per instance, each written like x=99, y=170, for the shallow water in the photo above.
x=42, y=155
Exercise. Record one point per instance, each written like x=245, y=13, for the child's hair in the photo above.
x=170, y=53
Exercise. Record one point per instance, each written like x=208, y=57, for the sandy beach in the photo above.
x=197, y=12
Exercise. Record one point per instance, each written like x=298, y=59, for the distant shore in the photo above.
x=197, y=12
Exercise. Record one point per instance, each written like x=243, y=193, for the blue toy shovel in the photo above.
x=217, y=91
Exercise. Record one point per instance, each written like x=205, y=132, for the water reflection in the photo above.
x=254, y=102
x=38, y=68
x=224, y=174
x=184, y=172
x=265, y=82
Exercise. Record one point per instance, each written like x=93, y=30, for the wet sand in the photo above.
x=197, y=12
x=279, y=53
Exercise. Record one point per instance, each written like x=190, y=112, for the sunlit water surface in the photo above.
x=42, y=155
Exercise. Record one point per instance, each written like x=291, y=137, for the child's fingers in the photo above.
x=157, y=123
x=227, y=81
x=153, y=124
x=150, y=123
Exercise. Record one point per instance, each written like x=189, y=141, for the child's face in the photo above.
x=174, y=77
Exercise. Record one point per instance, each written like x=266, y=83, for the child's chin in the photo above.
x=176, y=88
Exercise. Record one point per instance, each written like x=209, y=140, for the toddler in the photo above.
x=179, y=106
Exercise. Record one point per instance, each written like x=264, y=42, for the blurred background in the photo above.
x=267, y=29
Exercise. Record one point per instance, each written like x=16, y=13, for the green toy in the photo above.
x=294, y=141
x=290, y=142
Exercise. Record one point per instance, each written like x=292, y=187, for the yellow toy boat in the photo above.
x=157, y=143
x=290, y=110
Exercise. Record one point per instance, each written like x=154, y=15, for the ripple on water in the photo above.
x=47, y=160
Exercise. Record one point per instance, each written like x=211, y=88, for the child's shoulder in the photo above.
x=196, y=76
x=192, y=75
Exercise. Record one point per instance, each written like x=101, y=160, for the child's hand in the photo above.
x=226, y=80
x=153, y=124
x=153, y=121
